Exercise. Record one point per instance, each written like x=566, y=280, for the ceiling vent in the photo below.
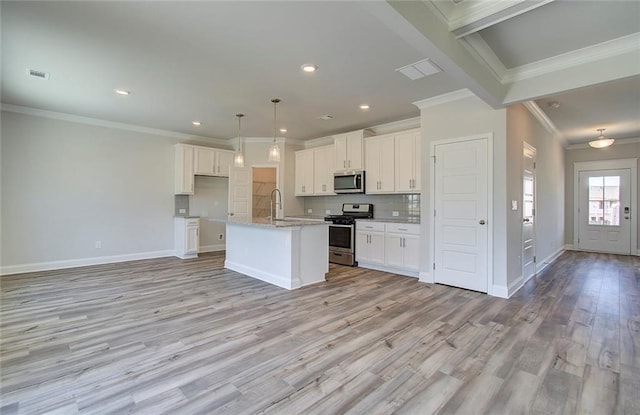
x=419, y=69
x=325, y=117
x=38, y=74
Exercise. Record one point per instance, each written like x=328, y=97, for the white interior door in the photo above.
x=461, y=214
x=604, y=211
x=240, y=186
x=528, y=212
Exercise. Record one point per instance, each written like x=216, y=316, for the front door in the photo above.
x=604, y=211
x=461, y=173
x=240, y=186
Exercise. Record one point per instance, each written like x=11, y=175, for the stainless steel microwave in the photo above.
x=352, y=182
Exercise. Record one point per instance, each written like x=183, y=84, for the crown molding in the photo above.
x=586, y=55
x=319, y=142
x=444, y=98
x=619, y=141
x=269, y=140
x=108, y=124
x=395, y=126
x=548, y=125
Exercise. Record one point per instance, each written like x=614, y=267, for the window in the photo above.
x=604, y=200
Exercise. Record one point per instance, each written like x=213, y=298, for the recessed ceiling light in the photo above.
x=196, y=123
x=122, y=92
x=283, y=130
x=364, y=107
x=308, y=67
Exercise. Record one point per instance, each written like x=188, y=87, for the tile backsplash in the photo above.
x=407, y=206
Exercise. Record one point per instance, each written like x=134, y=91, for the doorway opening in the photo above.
x=264, y=181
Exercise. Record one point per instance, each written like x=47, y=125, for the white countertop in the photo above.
x=393, y=220
x=266, y=223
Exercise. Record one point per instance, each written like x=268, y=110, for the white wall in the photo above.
x=67, y=185
x=522, y=126
x=462, y=118
x=616, y=151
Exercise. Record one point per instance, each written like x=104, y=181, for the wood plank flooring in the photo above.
x=189, y=337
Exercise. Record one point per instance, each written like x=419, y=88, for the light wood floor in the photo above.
x=188, y=337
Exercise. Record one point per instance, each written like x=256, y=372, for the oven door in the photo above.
x=341, y=238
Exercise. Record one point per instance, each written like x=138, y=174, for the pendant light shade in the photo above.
x=274, y=150
x=601, y=141
x=238, y=159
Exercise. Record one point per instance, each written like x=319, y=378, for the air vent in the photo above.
x=38, y=74
x=419, y=69
x=325, y=117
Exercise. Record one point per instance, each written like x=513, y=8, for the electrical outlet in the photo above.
x=327, y=212
x=182, y=211
x=309, y=211
x=98, y=244
x=395, y=213
x=205, y=214
x=220, y=236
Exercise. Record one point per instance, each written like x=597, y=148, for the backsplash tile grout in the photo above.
x=407, y=206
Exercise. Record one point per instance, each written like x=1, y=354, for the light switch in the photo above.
x=514, y=205
x=395, y=213
x=309, y=210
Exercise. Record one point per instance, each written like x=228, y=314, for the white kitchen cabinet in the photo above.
x=304, y=173
x=212, y=162
x=370, y=242
x=388, y=246
x=380, y=164
x=349, y=150
x=323, y=167
x=186, y=237
x=183, y=165
x=407, y=162
x=402, y=243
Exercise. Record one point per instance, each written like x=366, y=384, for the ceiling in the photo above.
x=207, y=61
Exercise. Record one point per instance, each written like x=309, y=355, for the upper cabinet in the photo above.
x=324, y=159
x=349, y=151
x=304, y=173
x=212, y=162
x=392, y=162
x=314, y=171
x=183, y=169
x=380, y=162
x=407, y=162
x=195, y=160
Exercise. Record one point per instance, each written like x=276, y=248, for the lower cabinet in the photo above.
x=187, y=237
x=386, y=246
x=370, y=243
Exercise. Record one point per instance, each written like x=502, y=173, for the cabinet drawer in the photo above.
x=370, y=226
x=409, y=228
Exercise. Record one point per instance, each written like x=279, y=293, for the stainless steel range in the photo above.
x=342, y=241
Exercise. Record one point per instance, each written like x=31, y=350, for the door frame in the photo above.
x=432, y=203
x=528, y=147
x=615, y=164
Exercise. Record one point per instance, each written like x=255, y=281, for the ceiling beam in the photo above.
x=470, y=17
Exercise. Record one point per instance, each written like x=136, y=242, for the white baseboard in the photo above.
x=550, y=259
x=501, y=291
x=570, y=247
x=426, y=277
x=82, y=262
x=212, y=248
x=262, y=275
x=384, y=268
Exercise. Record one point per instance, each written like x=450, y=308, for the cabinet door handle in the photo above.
x=344, y=164
x=349, y=163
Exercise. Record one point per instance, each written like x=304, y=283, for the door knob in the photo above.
x=231, y=214
x=482, y=222
x=525, y=220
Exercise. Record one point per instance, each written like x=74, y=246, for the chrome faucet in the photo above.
x=278, y=203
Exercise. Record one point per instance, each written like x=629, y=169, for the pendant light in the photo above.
x=238, y=159
x=274, y=150
x=601, y=142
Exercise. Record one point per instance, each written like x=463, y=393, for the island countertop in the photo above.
x=266, y=223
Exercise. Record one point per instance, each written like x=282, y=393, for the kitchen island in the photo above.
x=286, y=253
